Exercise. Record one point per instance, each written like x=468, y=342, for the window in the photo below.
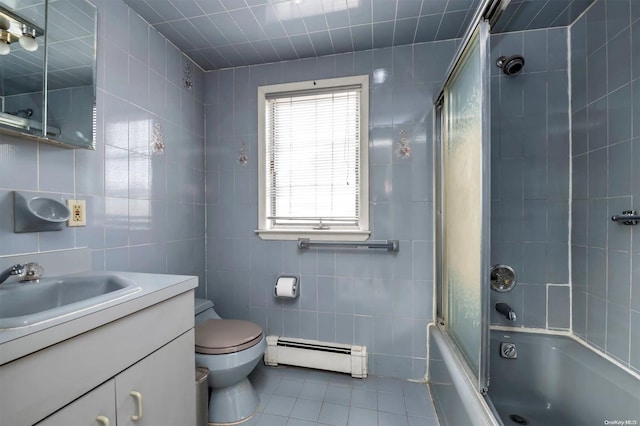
x=313, y=159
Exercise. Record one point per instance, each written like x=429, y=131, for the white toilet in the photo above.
x=230, y=349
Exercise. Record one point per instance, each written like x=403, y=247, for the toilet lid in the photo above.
x=220, y=336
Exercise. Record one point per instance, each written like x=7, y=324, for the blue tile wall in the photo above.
x=376, y=299
x=605, y=106
x=145, y=211
x=530, y=177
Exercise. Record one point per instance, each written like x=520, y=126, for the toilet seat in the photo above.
x=220, y=336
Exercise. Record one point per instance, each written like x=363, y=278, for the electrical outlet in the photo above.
x=78, y=210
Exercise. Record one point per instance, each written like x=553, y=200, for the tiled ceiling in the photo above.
x=227, y=33
x=534, y=14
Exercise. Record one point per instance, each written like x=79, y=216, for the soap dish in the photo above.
x=35, y=213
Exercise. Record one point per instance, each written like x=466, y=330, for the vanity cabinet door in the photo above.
x=159, y=389
x=93, y=409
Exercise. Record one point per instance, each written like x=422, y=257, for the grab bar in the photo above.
x=389, y=245
x=628, y=217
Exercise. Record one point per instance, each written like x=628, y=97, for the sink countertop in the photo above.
x=154, y=288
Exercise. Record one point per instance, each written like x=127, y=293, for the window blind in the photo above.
x=313, y=152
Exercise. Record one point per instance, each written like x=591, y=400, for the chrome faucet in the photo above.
x=506, y=310
x=12, y=270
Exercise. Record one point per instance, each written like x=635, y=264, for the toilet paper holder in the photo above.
x=286, y=287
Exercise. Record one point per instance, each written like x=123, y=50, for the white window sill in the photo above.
x=320, y=235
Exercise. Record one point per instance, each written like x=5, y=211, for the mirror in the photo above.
x=47, y=81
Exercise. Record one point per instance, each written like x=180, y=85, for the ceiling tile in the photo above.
x=360, y=12
x=409, y=9
x=268, y=20
x=384, y=10
x=75, y=15
x=362, y=36
x=249, y=53
x=548, y=14
x=303, y=46
x=147, y=12
x=290, y=18
x=284, y=48
x=465, y=23
x=232, y=4
x=524, y=15
x=210, y=6
x=341, y=39
x=313, y=15
x=189, y=32
x=405, y=31
x=266, y=50
x=201, y=58
x=506, y=16
x=245, y=20
x=209, y=31
x=450, y=25
x=383, y=34
x=166, y=10
x=175, y=36
x=338, y=19
x=430, y=7
x=188, y=8
x=215, y=58
x=572, y=13
x=457, y=5
x=228, y=27
x=315, y=23
x=322, y=43
x=230, y=53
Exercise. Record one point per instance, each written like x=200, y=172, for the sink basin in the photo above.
x=25, y=304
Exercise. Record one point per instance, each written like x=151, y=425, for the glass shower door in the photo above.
x=465, y=203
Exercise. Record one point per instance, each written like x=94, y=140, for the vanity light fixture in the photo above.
x=5, y=36
x=28, y=39
x=16, y=28
x=5, y=41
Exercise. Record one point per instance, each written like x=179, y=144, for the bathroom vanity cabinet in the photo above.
x=141, y=363
x=150, y=392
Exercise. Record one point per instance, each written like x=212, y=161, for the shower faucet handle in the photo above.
x=506, y=310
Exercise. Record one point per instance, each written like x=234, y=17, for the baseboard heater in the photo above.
x=329, y=356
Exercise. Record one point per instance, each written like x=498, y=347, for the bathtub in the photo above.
x=556, y=380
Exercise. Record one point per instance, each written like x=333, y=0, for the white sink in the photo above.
x=25, y=304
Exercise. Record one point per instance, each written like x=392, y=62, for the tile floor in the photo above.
x=291, y=396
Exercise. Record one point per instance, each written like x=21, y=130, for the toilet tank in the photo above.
x=203, y=310
x=201, y=305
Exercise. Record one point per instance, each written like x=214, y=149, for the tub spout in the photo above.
x=506, y=310
x=13, y=270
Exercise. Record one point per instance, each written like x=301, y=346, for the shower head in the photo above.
x=511, y=65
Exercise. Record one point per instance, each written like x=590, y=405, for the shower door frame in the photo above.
x=480, y=30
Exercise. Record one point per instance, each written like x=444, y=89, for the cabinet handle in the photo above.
x=104, y=420
x=138, y=397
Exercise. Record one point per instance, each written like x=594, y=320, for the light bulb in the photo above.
x=4, y=48
x=28, y=40
x=28, y=43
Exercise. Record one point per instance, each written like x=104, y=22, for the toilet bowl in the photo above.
x=230, y=349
